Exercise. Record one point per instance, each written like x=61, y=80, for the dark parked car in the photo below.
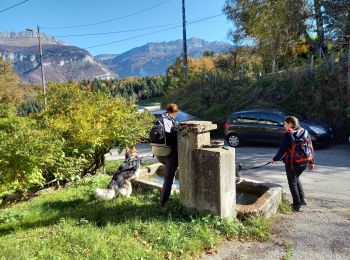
x=181, y=115
x=266, y=126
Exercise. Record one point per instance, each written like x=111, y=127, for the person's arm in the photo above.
x=284, y=143
x=312, y=163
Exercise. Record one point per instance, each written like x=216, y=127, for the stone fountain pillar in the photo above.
x=207, y=173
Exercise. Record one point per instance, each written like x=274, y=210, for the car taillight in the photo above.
x=226, y=124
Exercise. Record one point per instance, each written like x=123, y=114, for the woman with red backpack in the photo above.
x=297, y=153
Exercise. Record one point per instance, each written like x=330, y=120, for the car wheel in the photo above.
x=234, y=140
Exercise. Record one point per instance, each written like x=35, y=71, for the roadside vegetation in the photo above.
x=70, y=223
x=285, y=206
x=63, y=141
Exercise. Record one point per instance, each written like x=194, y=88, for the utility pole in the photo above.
x=348, y=98
x=42, y=68
x=185, y=62
x=41, y=64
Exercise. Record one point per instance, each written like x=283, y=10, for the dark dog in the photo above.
x=238, y=173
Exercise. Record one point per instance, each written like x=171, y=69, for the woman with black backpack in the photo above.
x=297, y=153
x=165, y=149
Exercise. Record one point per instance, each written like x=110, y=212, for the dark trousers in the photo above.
x=296, y=189
x=170, y=162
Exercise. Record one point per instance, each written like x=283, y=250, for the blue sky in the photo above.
x=57, y=13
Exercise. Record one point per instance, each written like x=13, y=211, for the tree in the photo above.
x=276, y=27
x=272, y=25
x=92, y=123
x=10, y=90
x=208, y=54
x=337, y=18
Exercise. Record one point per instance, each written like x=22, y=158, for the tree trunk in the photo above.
x=319, y=27
x=308, y=38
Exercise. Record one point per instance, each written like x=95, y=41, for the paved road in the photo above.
x=321, y=230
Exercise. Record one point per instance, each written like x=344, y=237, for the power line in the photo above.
x=107, y=21
x=113, y=32
x=13, y=6
x=90, y=34
x=142, y=35
x=146, y=34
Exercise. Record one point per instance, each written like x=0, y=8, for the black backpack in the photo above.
x=157, y=134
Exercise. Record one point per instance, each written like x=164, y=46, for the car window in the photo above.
x=248, y=118
x=277, y=118
x=270, y=119
x=233, y=118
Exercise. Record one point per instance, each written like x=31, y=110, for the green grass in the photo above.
x=284, y=207
x=289, y=252
x=111, y=166
x=70, y=224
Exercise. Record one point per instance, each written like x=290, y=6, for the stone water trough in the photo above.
x=253, y=198
x=206, y=177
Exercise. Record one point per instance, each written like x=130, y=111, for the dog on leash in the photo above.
x=238, y=173
x=120, y=183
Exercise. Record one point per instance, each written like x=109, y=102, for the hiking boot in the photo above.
x=296, y=208
x=303, y=202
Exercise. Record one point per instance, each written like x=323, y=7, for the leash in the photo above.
x=240, y=167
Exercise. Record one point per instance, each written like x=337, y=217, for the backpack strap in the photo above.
x=169, y=118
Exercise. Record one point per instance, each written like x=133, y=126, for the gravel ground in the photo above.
x=321, y=230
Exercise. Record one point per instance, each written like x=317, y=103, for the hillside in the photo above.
x=154, y=58
x=61, y=62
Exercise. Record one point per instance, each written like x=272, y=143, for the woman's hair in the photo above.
x=292, y=120
x=172, y=108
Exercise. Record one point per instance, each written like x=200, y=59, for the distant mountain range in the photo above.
x=63, y=62
x=154, y=58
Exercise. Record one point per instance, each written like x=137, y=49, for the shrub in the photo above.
x=65, y=140
x=92, y=123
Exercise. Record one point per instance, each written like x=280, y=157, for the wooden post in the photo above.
x=348, y=103
x=274, y=66
x=312, y=64
x=185, y=62
x=43, y=83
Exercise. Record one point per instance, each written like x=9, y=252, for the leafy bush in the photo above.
x=65, y=140
x=92, y=123
x=25, y=150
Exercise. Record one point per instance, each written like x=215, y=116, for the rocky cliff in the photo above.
x=61, y=62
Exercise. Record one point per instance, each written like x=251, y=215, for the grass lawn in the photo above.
x=70, y=224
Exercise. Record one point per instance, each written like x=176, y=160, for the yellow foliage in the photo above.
x=201, y=64
x=10, y=90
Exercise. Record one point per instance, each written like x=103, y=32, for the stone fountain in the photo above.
x=206, y=177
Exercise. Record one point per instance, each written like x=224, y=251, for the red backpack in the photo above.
x=301, y=153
